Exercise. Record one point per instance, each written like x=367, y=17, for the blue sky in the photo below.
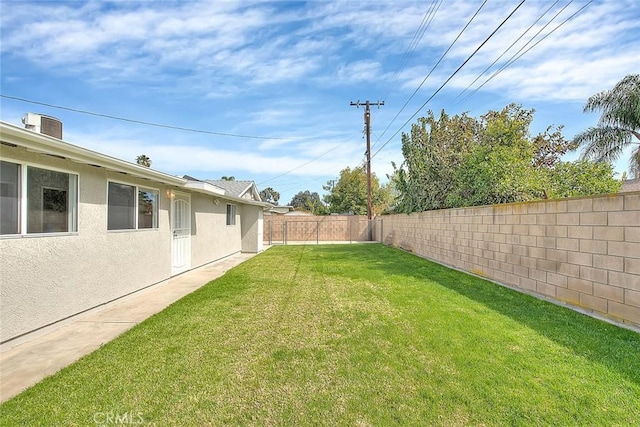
x=282, y=75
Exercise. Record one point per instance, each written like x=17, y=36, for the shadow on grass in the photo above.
x=601, y=342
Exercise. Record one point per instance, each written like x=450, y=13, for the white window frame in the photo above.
x=231, y=219
x=72, y=214
x=18, y=196
x=137, y=189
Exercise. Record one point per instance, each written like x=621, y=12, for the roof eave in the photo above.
x=46, y=144
x=212, y=190
x=205, y=187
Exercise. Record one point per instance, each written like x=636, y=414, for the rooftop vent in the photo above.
x=43, y=124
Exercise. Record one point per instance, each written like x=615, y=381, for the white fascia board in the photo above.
x=255, y=194
x=242, y=200
x=193, y=186
x=46, y=144
x=247, y=188
x=205, y=187
x=213, y=190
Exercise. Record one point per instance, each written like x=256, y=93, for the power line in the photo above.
x=426, y=21
x=141, y=122
x=182, y=129
x=299, y=183
x=302, y=165
x=451, y=76
x=515, y=41
x=431, y=71
x=515, y=57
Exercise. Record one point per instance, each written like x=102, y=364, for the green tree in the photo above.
x=583, y=177
x=499, y=168
x=143, y=160
x=550, y=146
x=461, y=161
x=270, y=195
x=309, y=202
x=349, y=194
x=618, y=126
x=433, y=150
x=228, y=178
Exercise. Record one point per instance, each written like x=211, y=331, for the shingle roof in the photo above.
x=234, y=188
x=631, y=185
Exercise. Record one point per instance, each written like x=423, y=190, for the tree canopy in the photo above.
x=433, y=150
x=310, y=202
x=463, y=161
x=349, y=194
x=270, y=195
x=143, y=160
x=618, y=126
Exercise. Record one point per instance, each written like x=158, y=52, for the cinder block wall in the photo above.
x=584, y=252
x=341, y=228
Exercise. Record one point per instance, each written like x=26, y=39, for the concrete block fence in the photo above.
x=584, y=252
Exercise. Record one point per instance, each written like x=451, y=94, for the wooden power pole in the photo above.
x=367, y=127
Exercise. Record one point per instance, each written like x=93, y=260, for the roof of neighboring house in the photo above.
x=298, y=213
x=278, y=210
x=631, y=185
x=237, y=188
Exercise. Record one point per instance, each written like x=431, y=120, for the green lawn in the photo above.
x=351, y=335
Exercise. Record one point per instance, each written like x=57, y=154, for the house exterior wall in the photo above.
x=252, y=228
x=584, y=252
x=47, y=278
x=211, y=237
x=44, y=279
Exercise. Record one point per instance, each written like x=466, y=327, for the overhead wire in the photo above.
x=417, y=37
x=75, y=110
x=146, y=123
x=297, y=184
x=519, y=55
x=429, y=15
x=450, y=77
x=512, y=44
x=302, y=165
x=430, y=72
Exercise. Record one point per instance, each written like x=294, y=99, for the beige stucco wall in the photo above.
x=47, y=278
x=211, y=237
x=584, y=252
x=252, y=228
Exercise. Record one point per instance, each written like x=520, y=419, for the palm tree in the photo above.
x=143, y=160
x=619, y=124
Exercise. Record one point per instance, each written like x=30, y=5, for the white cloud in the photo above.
x=571, y=64
x=289, y=69
x=359, y=71
x=265, y=44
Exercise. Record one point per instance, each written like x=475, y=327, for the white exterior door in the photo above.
x=181, y=229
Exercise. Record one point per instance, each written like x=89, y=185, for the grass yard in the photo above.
x=351, y=335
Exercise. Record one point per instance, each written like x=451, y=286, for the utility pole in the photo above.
x=367, y=127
